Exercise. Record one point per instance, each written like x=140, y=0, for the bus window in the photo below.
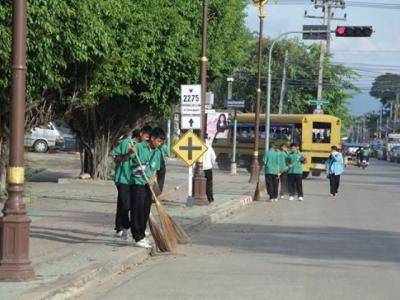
x=281, y=133
x=321, y=133
x=297, y=132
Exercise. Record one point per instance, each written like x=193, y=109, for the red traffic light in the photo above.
x=354, y=31
x=340, y=30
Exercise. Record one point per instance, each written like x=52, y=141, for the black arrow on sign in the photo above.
x=191, y=122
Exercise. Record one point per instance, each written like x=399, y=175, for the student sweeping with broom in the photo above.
x=145, y=164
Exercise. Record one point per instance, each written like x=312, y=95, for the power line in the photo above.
x=349, y=3
x=366, y=51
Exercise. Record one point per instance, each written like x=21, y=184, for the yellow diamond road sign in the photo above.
x=190, y=148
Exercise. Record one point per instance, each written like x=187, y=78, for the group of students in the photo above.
x=284, y=166
x=140, y=162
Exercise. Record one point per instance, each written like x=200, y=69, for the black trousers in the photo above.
x=295, y=184
x=123, y=206
x=209, y=185
x=334, y=181
x=272, y=182
x=161, y=177
x=140, y=210
x=284, y=184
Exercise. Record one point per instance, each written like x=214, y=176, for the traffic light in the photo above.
x=354, y=31
x=315, y=32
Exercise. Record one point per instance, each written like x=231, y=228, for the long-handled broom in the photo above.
x=161, y=242
x=166, y=239
x=173, y=231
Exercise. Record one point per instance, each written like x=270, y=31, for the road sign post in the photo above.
x=191, y=106
x=189, y=148
x=318, y=102
x=235, y=104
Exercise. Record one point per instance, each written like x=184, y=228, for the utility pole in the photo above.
x=380, y=122
x=15, y=224
x=396, y=112
x=283, y=87
x=199, y=191
x=363, y=130
x=327, y=6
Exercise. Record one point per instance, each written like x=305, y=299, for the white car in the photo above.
x=43, y=138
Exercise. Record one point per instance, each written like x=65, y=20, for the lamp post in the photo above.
x=230, y=81
x=255, y=166
x=199, y=191
x=14, y=235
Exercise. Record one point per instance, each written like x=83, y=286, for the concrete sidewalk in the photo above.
x=72, y=244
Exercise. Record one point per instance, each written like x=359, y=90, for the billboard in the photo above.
x=217, y=125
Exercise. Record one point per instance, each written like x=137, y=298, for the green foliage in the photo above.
x=95, y=50
x=385, y=87
x=302, y=79
x=105, y=65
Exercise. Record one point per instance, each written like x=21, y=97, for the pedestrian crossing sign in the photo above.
x=189, y=148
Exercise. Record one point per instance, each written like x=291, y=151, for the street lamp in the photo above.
x=230, y=81
x=199, y=188
x=14, y=235
x=268, y=100
x=255, y=166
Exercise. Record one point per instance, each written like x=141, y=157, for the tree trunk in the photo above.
x=100, y=129
x=97, y=161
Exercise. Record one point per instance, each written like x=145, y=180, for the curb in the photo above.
x=220, y=214
x=75, y=283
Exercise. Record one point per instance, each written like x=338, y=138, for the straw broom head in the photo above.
x=181, y=236
x=167, y=234
x=167, y=226
x=159, y=239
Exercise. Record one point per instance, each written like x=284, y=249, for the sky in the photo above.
x=370, y=57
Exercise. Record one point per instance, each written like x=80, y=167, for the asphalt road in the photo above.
x=346, y=247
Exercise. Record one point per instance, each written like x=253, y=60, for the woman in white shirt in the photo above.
x=209, y=158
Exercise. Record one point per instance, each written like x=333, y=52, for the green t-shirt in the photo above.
x=164, y=153
x=150, y=159
x=272, y=159
x=365, y=152
x=295, y=159
x=283, y=161
x=123, y=169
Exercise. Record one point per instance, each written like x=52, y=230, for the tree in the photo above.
x=105, y=66
x=302, y=79
x=386, y=87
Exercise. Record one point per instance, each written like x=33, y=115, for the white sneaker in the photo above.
x=301, y=199
x=119, y=233
x=143, y=244
x=125, y=234
x=282, y=197
x=291, y=198
x=276, y=200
